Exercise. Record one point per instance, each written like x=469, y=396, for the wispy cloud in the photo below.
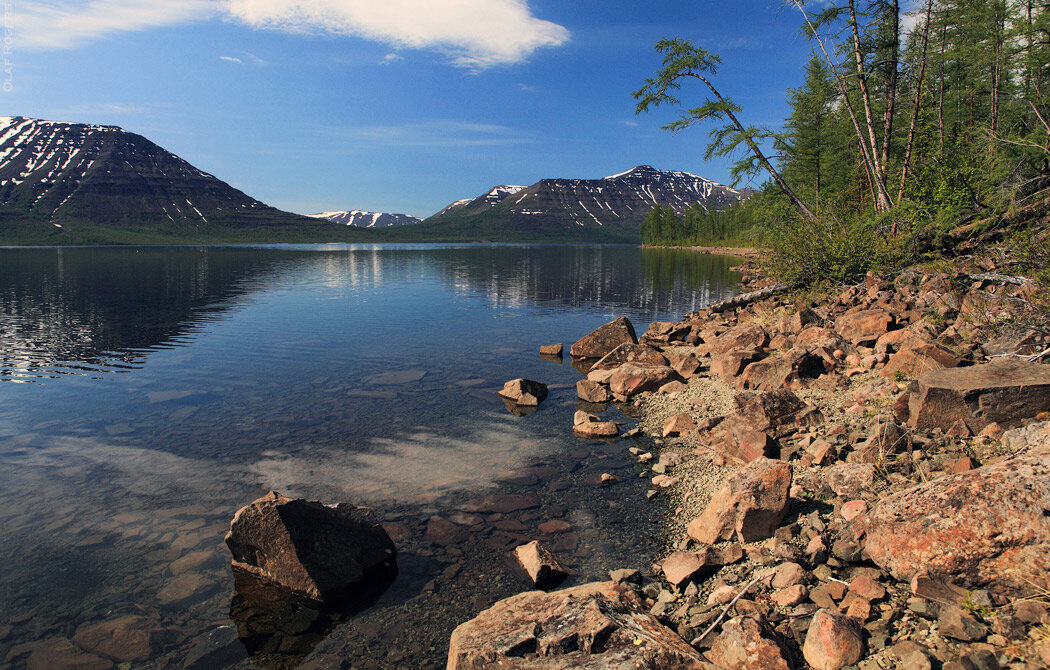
x=390, y=58
x=475, y=34
x=231, y=59
x=438, y=134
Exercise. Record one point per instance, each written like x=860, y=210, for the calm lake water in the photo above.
x=148, y=393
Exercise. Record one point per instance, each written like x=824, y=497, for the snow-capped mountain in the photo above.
x=360, y=219
x=618, y=202
x=73, y=172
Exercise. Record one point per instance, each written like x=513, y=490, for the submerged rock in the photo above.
x=597, y=625
x=524, y=392
x=306, y=547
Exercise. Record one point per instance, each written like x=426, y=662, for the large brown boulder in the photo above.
x=833, y=641
x=795, y=366
x=737, y=442
x=540, y=564
x=728, y=365
x=864, y=327
x=745, y=336
x=629, y=352
x=306, y=547
x=917, y=356
x=747, y=644
x=525, y=392
x=630, y=379
x=597, y=625
x=768, y=411
x=1006, y=391
x=750, y=505
x=604, y=339
x=985, y=527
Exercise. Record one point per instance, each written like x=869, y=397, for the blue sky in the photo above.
x=392, y=105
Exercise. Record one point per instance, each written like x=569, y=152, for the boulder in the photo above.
x=630, y=379
x=597, y=625
x=987, y=527
x=920, y=356
x=682, y=566
x=127, y=639
x=734, y=441
x=589, y=426
x=832, y=641
x=748, y=336
x=523, y=392
x=678, y=425
x=550, y=349
x=728, y=365
x=306, y=547
x=864, y=327
x=885, y=438
x=781, y=369
x=1006, y=391
x=747, y=644
x=666, y=331
x=768, y=411
x=589, y=391
x=604, y=339
x=792, y=324
x=540, y=564
x=629, y=352
x=686, y=365
x=750, y=505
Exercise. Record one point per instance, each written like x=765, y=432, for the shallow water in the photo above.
x=147, y=393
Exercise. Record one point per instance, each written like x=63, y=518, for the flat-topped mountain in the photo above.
x=613, y=206
x=360, y=219
x=62, y=180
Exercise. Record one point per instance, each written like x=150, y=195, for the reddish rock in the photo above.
x=687, y=365
x=598, y=625
x=920, y=356
x=681, y=566
x=832, y=641
x=749, y=506
x=728, y=365
x=550, y=349
x=630, y=379
x=129, y=639
x=850, y=480
x=745, y=336
x=746, y=644
x=554, y=527
x=788, y=574
x=589, y=426
x=523, y=392
x=306, y=547
x=589, y=391
x=1006, y=391
x=672, y=388
x=666, y=331
x=604, y=339
x=502, y=503
x=793, y=323
x=791, y=596
x=768, y=411
x=540, y=564
x=867, y=588
x=865, y=326
x=815, y=336
x=854, y=508
x=444, y=532
x=736, y=442
x=629, y=352
x=885, y=438
x=678, y=425
x=793, y=367
x=987, y=527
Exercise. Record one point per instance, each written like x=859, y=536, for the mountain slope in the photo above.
x=103, y=184
x=610, y=207
x=361, y=219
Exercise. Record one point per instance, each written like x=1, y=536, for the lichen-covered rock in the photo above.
x=597, y=625
x=631, y=379
x=629, y=352
x=589, y=391
x=604, y=339
x=832, y=641
x=750, y=505
x=306, y=547
x=863, y=327
x=986, y=527
x=746, y=644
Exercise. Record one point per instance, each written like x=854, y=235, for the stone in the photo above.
x=747, y=644
x=850, y=480
x=540, y=564
x=793, y=323
x=1006, y=391
x=728, y=365
x=589, y=427
x=604, y=339
x=987, y=527
x=128, y=639
x=796, y=366
x=957, y=624
x=1026, y=437
x=791, y=596
x=865, y=326
x=748, y=336
x=523, y=392
x=444, y=532
x=631, y=379
x=867, y=588
x=832, y=641
x=308, y=548
x=788, y=574
x=58, y=652
x=589, y=391
x=749, y=506
x=629, y=352
x=768, y=411
x=919, y=356
x=555, y=527
x=551, y=349
x=738, y=443
x=682, y=566
x=678, y=425
x=596, y=625
x=910, y=655
x=854, y=508
x=687, y=365
x=673, y=388
x=663, y=481
x=885, y=438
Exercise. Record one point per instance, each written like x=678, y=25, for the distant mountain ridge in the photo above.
x=613, y=205
x=361, y=219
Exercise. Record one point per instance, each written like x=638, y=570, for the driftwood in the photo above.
x=997, y=278
x=745, y=299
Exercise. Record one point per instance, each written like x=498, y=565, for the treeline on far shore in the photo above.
x=900, y=144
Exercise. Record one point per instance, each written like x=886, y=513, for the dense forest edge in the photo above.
x=902, y=145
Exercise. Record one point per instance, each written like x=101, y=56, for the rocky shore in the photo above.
x=852, y=479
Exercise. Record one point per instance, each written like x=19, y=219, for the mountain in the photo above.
x=359, y=219
x=75, y=183
x=611, y=207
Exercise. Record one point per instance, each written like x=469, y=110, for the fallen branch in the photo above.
x=745, y=298
x=762, y=575
x=1025, y=357
x=997, y=278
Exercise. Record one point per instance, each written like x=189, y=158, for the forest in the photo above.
x=912, y=133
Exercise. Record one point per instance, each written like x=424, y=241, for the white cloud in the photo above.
x=63, y=24
x=475, y=33
x=438, y=134
x=390, y=58
x=232, y=59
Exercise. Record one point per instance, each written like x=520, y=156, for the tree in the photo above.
x=805, y=142
x=683, y=61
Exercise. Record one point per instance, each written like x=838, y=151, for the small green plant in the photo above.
x=899, y=376
x=977, y=609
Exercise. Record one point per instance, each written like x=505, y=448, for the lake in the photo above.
x=147, y=393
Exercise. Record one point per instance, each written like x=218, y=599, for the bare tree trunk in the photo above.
x=882, y=202
x=940, y=94
x=891, y=83
x=918, y=102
